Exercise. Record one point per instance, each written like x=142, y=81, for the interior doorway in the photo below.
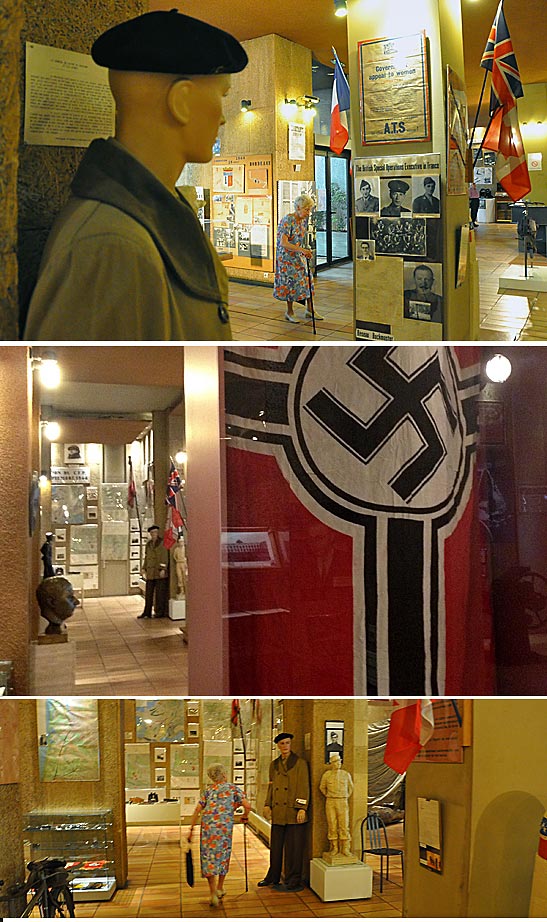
x=332, y=177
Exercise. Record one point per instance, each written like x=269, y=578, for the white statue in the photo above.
x=179, y=556
x=337, y=786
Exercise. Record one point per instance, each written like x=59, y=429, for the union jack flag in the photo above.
x=499, y=58
x=174, y=502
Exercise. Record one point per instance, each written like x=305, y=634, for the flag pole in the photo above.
x=477, y=113
x=244, y=788
x=137, y=510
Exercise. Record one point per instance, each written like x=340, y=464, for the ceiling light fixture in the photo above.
x=52, y=430
x=340, y=8
x=48, y=368
x=498, y=368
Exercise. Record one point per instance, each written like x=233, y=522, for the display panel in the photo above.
x=242, y=212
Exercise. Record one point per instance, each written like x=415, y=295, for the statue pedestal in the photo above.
x=177, y=609
x=53, y=667
x=338, y=859
x=340, y=882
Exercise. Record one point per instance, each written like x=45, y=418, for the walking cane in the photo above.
x=311, y=297
x=245, y=856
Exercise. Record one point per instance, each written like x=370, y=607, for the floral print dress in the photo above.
x=217, y=820
x=291, y=272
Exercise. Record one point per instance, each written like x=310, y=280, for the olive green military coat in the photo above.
x=288, y=790
x=127, y=260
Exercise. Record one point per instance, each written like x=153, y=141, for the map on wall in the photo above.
x=137, y=765
x=84, y=544
x=185, y=766
x=216, y=720
x=114, y=502
x=68, y=739
x=160, y=720
x=67, y=504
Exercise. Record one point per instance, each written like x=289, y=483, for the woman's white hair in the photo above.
x=304, y=201
x=217, y=772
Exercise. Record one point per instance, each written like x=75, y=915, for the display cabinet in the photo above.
x=85, y=840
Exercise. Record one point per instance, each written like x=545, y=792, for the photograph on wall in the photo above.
x=67, y=504
x=74, y=454
x=92, y=494
x=60, y=535
x=92, y=513
x=137, y=765
x=395, y=196
x=258, y=177
x=60, y=554
x=184, y=765
x=84, y=544
x=426, y=198
x=365, y=249
x=192, y=709
x=243, y=236
x=160, y=754
x=399, y=236
x=134, y=551
x=239, y=777
x=160, y=776
x=160, y=720
x=244, y=209
x=423, y=291
x=483, y=175
x=334, y=739
x=394, y=89
x=193, y=731
x=224, y=238
x=68, y=735
x=367, y=195
x=249, y=549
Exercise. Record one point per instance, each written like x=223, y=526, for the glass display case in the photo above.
x=85, y=840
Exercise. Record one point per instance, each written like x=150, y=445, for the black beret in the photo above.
x=169, y=43
x=398, y=185
x=283, y=736
x=152, y=527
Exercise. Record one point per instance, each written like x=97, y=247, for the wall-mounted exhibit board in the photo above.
x=398, y=248
x=242, y=212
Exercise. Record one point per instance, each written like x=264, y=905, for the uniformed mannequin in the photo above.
x=337, y=786
x=155, y=570
x=286, y=805
x=127, y=258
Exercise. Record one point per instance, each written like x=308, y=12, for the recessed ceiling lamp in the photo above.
x=340, y=8
x=52, y=430
x=498, y=368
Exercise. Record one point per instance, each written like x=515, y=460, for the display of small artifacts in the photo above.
x=160, y=720
x=67, y=504
x=74, y=454
x=68, y=732
x=84, y=544
x=394, y=89
x=337, y=787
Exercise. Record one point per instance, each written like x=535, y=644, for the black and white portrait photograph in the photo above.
x=402, y=237
x=74, y=453
x=334, y=739
x=395, y=196
x=367, y=195
x=426, y=195
x=423, y=285
x=365, y=249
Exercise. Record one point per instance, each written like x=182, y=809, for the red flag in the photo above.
x=339, y=134
x=235, y=711
x=504, y=137
x=131, y=488
x=410, y=727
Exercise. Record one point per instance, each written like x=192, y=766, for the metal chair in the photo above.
x=378, y=844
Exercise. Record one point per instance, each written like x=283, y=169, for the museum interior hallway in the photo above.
x=119, y=654
x=256, y=316
x=157, y=884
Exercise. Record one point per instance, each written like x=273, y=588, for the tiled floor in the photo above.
x=118, y=654
x=157, y=884
x=256, y=316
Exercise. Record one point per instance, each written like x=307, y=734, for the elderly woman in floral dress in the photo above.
x=217, y=805
x=292, y=282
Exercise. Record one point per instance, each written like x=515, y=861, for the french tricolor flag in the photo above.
x=410, y=727
x=339, y=134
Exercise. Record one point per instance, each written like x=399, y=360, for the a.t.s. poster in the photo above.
x=398, y=248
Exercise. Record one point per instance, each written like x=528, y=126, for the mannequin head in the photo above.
x=57, y=602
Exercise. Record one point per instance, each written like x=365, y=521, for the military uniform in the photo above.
x=157, y=583
x=288, y=792
x=394, y=211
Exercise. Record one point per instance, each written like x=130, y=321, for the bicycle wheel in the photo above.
x=62, y=903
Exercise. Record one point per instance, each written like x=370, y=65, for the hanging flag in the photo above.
x=131, y=488
x=362, y=464
x=503, y=133
x=499, y=58
x=235, y=711
x=173, y=500
x=339, y=134
x=410, y=727
x=504, y=136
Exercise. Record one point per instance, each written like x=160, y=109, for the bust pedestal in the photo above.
x=340, y=882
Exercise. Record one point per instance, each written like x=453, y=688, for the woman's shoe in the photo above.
x=308, y=315
x=291, y=318
x=220, y=893
x=213, y=901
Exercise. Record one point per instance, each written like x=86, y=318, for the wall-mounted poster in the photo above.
x=184, y=765
x=229, y=177
x=399, y=281
x=297, y=141
x=394, y=89
x=160, y=720
x=68, y=735
x=242, y=212
x=137, y=765
x=90, y=576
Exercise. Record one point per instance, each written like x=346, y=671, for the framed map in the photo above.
x=160, y=720
x=68, y=739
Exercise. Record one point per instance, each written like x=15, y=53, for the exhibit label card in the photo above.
x=68, y=101
x=394, y=90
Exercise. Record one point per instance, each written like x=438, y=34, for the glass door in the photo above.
x=333, y=207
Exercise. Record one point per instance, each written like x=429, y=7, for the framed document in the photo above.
x=429, y=834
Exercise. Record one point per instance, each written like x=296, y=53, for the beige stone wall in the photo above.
x=107, y=793
x=15, y=452
x=45, y=173
x=11, y=21
x=12, y=865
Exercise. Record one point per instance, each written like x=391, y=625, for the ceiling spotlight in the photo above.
x=48, y=368
x=52, y=430
x=340, y=8
x=245, y=105
x=181, y=457
x=498, y=368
